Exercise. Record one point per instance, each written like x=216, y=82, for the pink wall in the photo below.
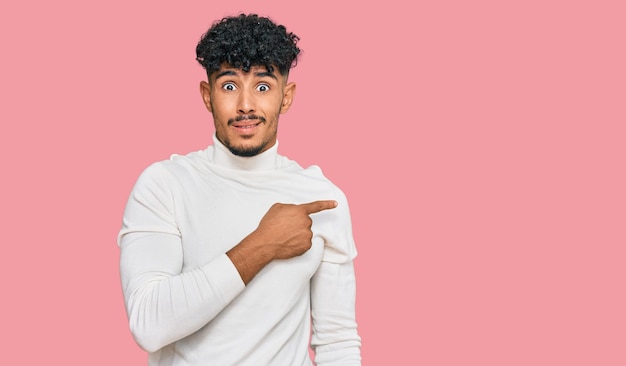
x=481, y=146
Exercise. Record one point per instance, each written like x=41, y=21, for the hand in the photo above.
x=284, y=232
x=286, y=228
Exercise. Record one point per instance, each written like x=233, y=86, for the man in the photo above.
x=229, y=254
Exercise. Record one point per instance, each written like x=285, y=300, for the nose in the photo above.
x=245, y=103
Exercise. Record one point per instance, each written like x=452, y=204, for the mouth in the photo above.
x=246, y=124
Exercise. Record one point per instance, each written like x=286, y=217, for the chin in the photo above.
x=246, y=151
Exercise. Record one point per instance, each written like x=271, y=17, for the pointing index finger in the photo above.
x=317, y=206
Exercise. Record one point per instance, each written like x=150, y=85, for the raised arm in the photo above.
x=165, y=304
x=284, y=232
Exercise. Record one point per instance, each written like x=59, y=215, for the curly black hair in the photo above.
x=248, y=40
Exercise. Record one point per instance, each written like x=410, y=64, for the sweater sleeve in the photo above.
x=163, y=303
x=335, y=338
x=333, y=293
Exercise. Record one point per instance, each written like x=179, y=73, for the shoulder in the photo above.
x=314, y=179
x=175, y=168
x=315, y=172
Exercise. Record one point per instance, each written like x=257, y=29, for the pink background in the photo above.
x=481, y=146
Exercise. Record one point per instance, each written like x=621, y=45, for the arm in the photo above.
x=333, y=294
x=284, y=232
x=165, y=304
x=335, y=338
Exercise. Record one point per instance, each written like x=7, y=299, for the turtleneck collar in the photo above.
x=267, y=160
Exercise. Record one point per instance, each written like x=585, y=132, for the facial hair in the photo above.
x=246, y=151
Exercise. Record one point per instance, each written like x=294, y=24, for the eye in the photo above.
x=229, y=86
x=263, y=88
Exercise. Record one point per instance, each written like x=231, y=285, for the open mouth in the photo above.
x=246, y=125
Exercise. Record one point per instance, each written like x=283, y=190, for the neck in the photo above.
x=267, y=160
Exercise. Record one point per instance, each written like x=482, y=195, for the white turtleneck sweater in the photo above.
x=185, y=300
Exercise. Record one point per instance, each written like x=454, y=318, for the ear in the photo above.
x=288, y=94
x=205, y=91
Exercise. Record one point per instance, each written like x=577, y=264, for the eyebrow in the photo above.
x=224, y=73
x=257, y=74
x=266, y=73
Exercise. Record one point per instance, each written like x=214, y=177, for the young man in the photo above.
x=228, y=253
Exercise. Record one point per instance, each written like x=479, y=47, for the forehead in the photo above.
x=257, y=71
